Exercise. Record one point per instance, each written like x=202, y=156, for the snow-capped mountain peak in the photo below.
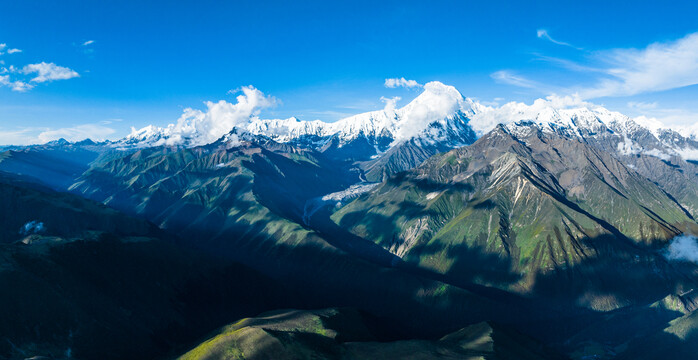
x=438, y=117
x=610, y=130
x=438, y=113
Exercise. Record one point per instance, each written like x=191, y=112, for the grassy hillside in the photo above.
x=346, y=334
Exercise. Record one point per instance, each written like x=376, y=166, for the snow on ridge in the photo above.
x=438, y=103
x=438, y=114
x=592, y=121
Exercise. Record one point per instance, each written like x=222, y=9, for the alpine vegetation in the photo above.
x=385, y=180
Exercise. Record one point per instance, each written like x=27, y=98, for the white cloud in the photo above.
x=401, y=82
x=543, y=34
x=657, y=153
x=18, y=86
x=435, y=103
x=95, y=132
x=49, y=72
x=507, y=77
x=40, y=135
x=683, y=248
x=658, y=67
x=685, y=121
x=10, y=69
x=88, y=42
x=9, y=51
x=24, y=136
x=21, y=86
x=515, y=111
x=639, y=105
x=651, y=123
x=203, y=127
x=390, y=103
x=628, y=147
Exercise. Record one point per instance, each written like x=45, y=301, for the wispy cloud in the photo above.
x=40, y=135
x=22, y=136
x=17, y=79
x=569, y=64
x=621, y=72
x=639, y=105
x=88, y=42
x=16, y=85
x=543, y=34
x=401, y=82
x=390, y=103
x=507, y=77
x=49, y=72
x=76, y=133
x=658, y=67
x=3, y=46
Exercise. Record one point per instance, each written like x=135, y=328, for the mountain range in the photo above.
x=445, y=227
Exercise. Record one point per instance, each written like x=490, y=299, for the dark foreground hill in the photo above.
x=91, y=282
x=348, y=334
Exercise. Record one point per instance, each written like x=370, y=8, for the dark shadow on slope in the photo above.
x=662, y=345
x=284, y=185
x=111, y=298
x=627, y=278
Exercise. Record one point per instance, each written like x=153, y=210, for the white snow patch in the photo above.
x=432, y=195
x=350, y=193
x=336, y=198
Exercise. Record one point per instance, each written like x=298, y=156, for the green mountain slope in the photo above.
x=532, y=213
x=345, y=334
x=94, y=283
x=246, y=202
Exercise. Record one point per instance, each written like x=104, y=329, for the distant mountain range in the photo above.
x=536, y=228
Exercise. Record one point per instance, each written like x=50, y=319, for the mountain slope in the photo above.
x=383, y=141
x=518, y=207
x=94, y=283
x=664, y=156
x=56, y=164
x=346, y=334
x=242, y=201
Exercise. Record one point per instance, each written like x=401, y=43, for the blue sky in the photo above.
x=98, y=68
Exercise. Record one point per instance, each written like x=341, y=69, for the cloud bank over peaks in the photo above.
x=435, y=104
x=541, y=110
x=438, y=114
x=196, y=127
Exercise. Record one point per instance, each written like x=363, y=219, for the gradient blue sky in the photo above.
x=101, y=67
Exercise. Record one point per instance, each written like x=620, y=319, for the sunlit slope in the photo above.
x=509, y=209
x=347, y=334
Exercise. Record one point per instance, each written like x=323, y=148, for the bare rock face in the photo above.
x=523, y=209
